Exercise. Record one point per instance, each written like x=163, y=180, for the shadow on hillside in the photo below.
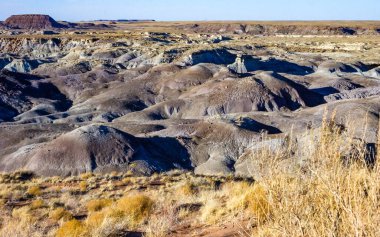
x=255, y=126
x=167, y=153
x=276, y=65
x=310, y=97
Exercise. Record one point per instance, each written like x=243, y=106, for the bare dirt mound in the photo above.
x=32, y=21
x=97, y=148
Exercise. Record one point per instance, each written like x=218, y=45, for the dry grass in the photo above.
x=34, y=191
x=73, y=228
x=255, y=200
x=98, y=205
x=86, y=176
x=38, y=203
x=83, y=186
x=331, y=194
x=137, y=208
x=187, y=189
x=60, y=214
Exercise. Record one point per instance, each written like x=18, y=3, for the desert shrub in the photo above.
x=60, y=214
x=110, y=186
x=187, y=189
x=94, y=220
x=86, y=176
x=83, y=186
x=74, y=191
x=6, y=192
x=256, y=202
x=34, y=191
x=21, y=213
x=98, y=204
x=114, y=175
x=136, y=207
x=18, y=227
x=55, y=180
x=127, y=181
x=73, y=228
x=160, y=225
x=212, y=211
x=38, y=203
x=236, y=188
x=2, y=202
x=243, y=199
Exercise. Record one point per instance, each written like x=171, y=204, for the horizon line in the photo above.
x=204, y=20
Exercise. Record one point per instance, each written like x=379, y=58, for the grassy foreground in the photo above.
x=334, y=192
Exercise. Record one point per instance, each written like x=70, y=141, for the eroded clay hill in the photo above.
x=153, y=102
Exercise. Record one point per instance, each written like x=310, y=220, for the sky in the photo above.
x=174, y=10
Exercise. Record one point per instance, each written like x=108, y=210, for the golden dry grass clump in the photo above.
x=86, y=176
x=83, y=186
x=256, y=202
x=105, y=216
x=60, y=213
x=187, y=189
x=73, y=228
x=95, y=220
x=98, y=204
x=34, y=191
x=38, y=203
x=136, y=207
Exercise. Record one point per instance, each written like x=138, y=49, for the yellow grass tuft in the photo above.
x=95, y=220
x=187, y=189
x=83, y=186
x=256, y=202
x=137, y=207
x=252, y=198
x=73, y=228
x=86, y=176
x=98, y=204
x=60, y=214
x=38, y=203
x=34, y=191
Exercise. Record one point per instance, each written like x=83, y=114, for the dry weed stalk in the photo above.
x=334, y=193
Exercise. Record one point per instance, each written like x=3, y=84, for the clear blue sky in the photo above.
x=75, y=10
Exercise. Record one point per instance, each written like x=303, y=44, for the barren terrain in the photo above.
x=217, y=99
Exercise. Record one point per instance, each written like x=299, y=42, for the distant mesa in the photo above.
x=32, y=21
